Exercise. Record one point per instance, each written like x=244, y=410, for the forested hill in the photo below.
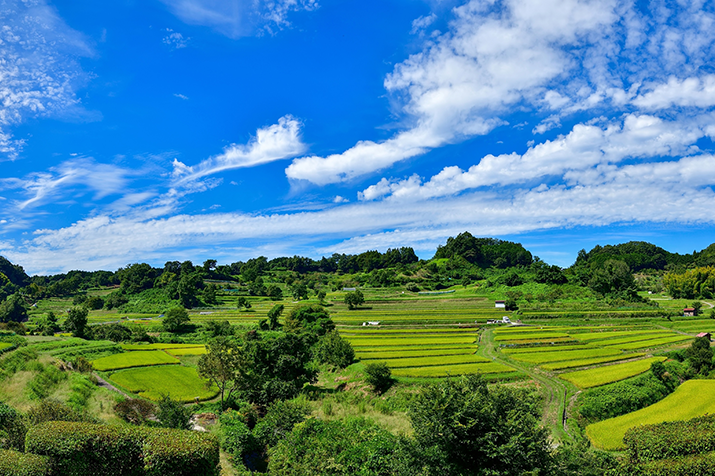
x=485, y=252
x=12, y=273
x=641, y=255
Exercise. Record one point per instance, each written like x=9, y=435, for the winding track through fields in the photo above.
x=556, y=392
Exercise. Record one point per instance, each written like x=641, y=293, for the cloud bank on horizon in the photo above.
x=559, y=114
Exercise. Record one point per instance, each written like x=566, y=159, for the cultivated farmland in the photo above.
x=609, y=374
x=134, y=359
x=692, y=399
x=181, y=383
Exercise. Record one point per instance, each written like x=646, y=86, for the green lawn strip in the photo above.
x=545, y=348
x=597, y=336
x=544, y=357
x=389, y=341
x=691, y=399
x=134, y=359
x=433, y=360
x=158, y=346
x=398, y=354
x=647, y=344
x=609, y=374
x=181, y=383
x=571, y=364
x=370, y=348
x=446, y=370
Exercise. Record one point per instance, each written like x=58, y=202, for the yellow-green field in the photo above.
x=692, y=399
x=610, y=373
x=134, y=359
x=181, y=383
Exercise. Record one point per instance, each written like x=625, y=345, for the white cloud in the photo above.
x=492, y=58
x=38, y=70
x=39, y=188
x=175, y=39
x=689, y=92
x=237, y=18
x=419, y=24
x=271, y=143
x=181, y=96
x=585, y=147
x=339, y=199
x=636, y=193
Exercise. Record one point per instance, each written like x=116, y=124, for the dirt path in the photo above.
x=556, y=392
x=104, y=384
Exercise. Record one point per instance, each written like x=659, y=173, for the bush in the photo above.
x=14, y=463
x=80, y=449
x=378, y=376
x=134, y=410
x=671, y=439
x=52, y=410
x=12, y=428
x=175, y=318
x=173, y=414
x=279, y=421
x=333, y=350
x=237, y=439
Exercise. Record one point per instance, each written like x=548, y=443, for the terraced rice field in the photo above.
x=181, y=383
x=457, y=369
x=134, y=359
x=692, y=399
x=4, y=345
x=609, y=374
x=431, y=361
x=402, y=353
x=159, y=346
x=562, y=355
x=187, y=351
x=572, y=364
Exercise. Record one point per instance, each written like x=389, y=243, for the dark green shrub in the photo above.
x=14, y=463
x=333, y=350
x=52, y=410
x=12, y=428
x=173, y=414
x=279, y=421
x=378, y=376
x=79, y=449
x=671, y=439
x=237, y=439
x=170, y=452
x=134, y=410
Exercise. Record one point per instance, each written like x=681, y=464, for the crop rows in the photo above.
x=572, y=364
x=530, y=336
x=187, y=351
x=609, y=374
x=396, y=348
x=691, y=399
x=447, y=370
x=556, y=356
x=432, y=361
x=545, y=348
x=404, y=353
x=650, y=343
x=409, y=340
x=158, y=346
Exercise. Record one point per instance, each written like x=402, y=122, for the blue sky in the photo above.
x=195, y=129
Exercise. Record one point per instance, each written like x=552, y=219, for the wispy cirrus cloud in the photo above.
x=275, y=142
x=39, y=69
x=237, y=18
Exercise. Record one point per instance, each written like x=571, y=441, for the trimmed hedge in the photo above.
x=671, y=439
x=15, y=463
x=697, y=465
x=78, y=449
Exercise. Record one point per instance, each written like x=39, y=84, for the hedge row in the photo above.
x=79, y=448
x=671, y=439
x=697, y=465
x=15, y=463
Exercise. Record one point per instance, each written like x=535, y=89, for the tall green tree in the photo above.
x=13, y=309
x=354, y=299
x=76, y=321
x=220, y=364
x=174, y=319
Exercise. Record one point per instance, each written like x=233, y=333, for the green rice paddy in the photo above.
x=609, y=374
x=134, y=359
x=180, y=383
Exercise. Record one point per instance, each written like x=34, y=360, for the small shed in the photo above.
x=704, y=334
x=500, y=304
x=689, y=312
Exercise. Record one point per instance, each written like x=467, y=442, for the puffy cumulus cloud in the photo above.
x=549, y=58
x=567, y=157
x=688, y=92
x=38, y=67
x=276, y=142
x=237, y=18
x=175, y=39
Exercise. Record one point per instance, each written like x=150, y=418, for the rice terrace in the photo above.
x=350, y=349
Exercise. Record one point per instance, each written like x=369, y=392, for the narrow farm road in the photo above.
x=556, y=392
